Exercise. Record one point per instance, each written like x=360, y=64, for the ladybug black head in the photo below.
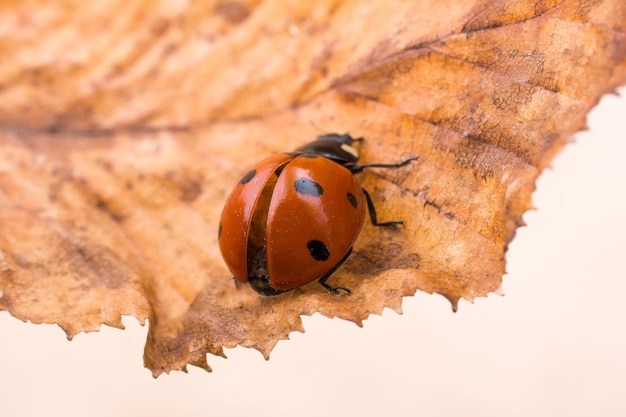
x=335, y=147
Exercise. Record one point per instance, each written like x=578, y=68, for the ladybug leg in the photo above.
x=335, y=290
x=356, y=168
x=372, y=211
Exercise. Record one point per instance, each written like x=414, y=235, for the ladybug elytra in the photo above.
x=293, y=218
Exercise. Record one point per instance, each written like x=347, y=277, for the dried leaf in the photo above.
x=125, y=125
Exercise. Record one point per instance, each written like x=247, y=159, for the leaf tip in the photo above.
x=454, y=301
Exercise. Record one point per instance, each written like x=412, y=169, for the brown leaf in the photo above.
x=126, y=124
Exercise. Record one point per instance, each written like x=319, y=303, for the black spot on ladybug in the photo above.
x=318, y=250
x=352, y=200
x=308, y=187
x=246, y=178
x=219, y=231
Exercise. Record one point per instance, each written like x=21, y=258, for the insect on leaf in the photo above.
x=124, y=127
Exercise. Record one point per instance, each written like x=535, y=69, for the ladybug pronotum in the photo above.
x=293, y=218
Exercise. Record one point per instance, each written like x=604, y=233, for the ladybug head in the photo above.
x=335, y=147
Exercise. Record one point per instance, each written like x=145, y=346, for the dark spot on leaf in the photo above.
x=411, y=260
x=190, y=190
x=187, y=184
x=377, y=257
x=233, y=11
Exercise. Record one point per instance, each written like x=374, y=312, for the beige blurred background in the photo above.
x=555, y=345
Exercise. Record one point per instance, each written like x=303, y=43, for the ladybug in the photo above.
x=293, y=218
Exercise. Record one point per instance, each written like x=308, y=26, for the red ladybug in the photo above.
x=293, y=218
